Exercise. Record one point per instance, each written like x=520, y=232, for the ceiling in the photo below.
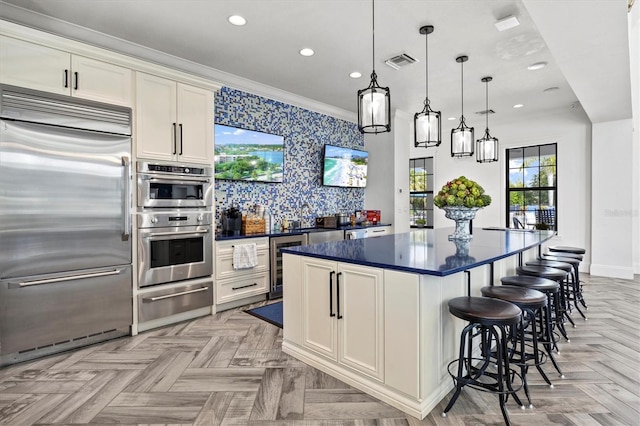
x=583, y=43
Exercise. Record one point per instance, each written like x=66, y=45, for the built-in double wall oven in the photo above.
x=175, y=238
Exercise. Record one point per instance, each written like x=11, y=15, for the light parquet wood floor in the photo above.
x=228, y=369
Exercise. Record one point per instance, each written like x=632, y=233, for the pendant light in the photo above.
x=374, y=102
x=462, y=136
x=426, y=124
x=487, y=146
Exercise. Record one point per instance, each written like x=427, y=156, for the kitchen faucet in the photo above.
x=301, y=208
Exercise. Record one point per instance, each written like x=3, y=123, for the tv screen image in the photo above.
x=344, y=167
x=248, y=155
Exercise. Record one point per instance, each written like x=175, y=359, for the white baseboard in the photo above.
x=610, y=271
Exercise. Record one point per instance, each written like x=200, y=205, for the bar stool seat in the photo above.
x=564, y=254
x=484, y=311
x=531, y=281
x=516, y=295
x=489, y=371
x=543, y=272
x=568, y=249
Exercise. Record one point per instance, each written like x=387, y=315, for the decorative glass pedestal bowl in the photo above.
x=462, y=216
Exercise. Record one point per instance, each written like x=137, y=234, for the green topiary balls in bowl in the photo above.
x=462, y=192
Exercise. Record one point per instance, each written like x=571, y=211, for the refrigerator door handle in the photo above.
x=126, y=233
x=62, y=279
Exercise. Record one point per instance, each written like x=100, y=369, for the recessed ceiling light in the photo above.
x=307, y=52
x=452, y=118
x=551, y=89
x=537, y=66
x=518, y=105
x=507, y=23
x=355, y=74
x=237, y=20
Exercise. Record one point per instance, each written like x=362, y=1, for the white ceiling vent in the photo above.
x=485, y=112
x=400, y=61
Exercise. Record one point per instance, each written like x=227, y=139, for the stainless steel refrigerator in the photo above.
x=65, y=223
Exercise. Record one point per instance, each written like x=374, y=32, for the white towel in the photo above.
x=245, y=256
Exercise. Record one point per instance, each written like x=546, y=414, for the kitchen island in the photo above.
x=373, y=312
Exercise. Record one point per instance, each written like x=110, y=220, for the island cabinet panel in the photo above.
x=402, y=332
x=343, y=313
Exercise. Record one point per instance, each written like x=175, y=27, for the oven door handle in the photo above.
x=62, y=279
x=169, y=234
x=168, y=296
x=181, y=179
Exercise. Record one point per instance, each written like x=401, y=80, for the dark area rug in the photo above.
x=270, y=313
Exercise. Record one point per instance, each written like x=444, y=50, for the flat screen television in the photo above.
x=344, y=167
x=248, y=155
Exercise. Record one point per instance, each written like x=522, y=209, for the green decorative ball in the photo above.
x=461, y=192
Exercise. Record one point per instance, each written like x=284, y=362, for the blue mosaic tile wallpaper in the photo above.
x=305, y=134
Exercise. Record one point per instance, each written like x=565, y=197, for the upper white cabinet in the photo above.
x=43, y=68
x=174, y=121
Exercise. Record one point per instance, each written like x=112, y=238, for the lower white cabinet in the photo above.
x=343, y=314
x=236, y=284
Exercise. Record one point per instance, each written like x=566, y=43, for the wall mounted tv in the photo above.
x=344, y=167
x=248, y=155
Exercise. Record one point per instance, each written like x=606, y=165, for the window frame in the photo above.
x=427, y=193
x=509, y=190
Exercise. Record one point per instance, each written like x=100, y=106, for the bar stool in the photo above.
x=488, y=318
x=569, y=284
x=557, y=275
x=576, y=289
x=551, y=289
x=530, y=302
x=571, y=258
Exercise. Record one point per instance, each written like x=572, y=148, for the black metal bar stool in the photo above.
x=576, y=288
x=524, y=351
x=568, y=285
x=566, y=257
x=557, y=275
x=551, y=289
x=488, y=319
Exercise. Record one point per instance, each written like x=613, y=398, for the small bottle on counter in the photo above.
x=353, y=219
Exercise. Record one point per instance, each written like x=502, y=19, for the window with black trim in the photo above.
x=532, y=191
x=421, y=192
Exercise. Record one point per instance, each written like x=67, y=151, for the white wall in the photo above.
x=634, y=59
x=612, y=197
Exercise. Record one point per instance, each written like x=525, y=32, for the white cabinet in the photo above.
x=342, y=314
x=376, y=231
x=43, y=68
x=174, y=121
x=235, y=284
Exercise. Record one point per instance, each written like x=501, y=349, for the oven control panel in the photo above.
x=163, y=219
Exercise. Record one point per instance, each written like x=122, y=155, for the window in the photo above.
x=532, y=190
x=421, y=192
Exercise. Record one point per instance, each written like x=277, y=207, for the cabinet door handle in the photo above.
x=180, y=138
x=65, y=80
x=75, y=82
x=331, y=274
x=244, y=286
x=175, y=137
x=338, y=294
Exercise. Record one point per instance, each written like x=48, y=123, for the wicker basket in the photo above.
x=253, y=225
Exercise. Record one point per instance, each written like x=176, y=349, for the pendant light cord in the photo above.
x=487, y=104
x=426, y=49
x=462, y=87
x=373, y=35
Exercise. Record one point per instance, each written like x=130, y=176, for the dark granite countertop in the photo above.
x=427, y=251
x=220, y=237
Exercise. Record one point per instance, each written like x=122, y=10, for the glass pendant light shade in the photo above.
x=462, y=136
x=374, y=102
x=487, y=146
x=427, y=123
x=374, y=108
